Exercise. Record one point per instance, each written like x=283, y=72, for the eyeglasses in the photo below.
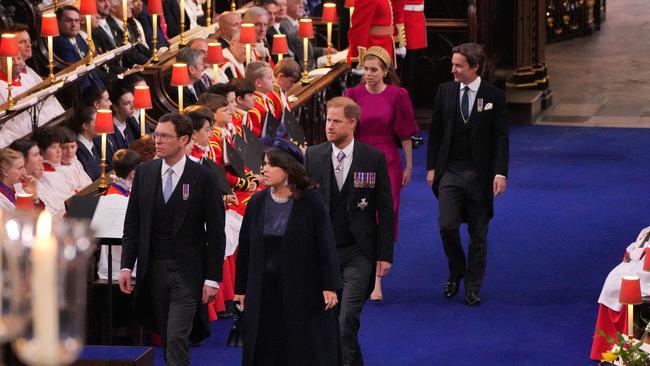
x=162, y=136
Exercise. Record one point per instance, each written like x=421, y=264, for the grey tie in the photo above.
x=168, y=188
x=464, y=104
x=339, y=171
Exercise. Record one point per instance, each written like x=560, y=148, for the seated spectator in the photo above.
x=72, y=168
x=275, y=8
x=34, y=167
x=235, y=57
x=12, y=173
x=287, y=74
x=88, y=152
x=105, y=42
x=172, y=11
x=145, y=147
x=295, y=11
x=124, y=163
x=54, y=186
x=70, y=46
x=140, y=53
x=141, y=14
x=96, y=97
x=245, y=100
x=260, y=18
x=127, y=127
x=260, y=75
x=229, y=24
x=195, y=66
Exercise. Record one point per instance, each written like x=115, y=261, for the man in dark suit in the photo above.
x=126, y=127
x=70, y=46
x=354, y=185
x=140, y=53
x=467, y=165
x=104, y=41
x=174, y=228
x=195, y=66
x=229, y=24
x=172, y=13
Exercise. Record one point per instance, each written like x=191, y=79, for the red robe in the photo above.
x=279, y=100
x=372, y=25
x=262, y=106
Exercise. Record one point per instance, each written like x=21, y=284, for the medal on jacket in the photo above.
x=364, y=179
x=362, y=204
x=479, y=104
x=186, y=191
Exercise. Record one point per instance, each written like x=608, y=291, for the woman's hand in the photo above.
x=241, y=299
x=330, y=299
x=406, y=176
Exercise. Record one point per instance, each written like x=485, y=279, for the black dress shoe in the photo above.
x=472, y=299
x=452, y=286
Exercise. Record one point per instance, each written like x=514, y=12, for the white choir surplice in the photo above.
x=21, y=125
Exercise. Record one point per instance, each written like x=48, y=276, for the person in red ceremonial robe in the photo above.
x=416, y=42
x=372, y=25
x=235, y=56
x=245, y=101
x=386, y=113
x=124, y=163
x=260, y=74
x=13, y=173
x=287, y=74
x=612, y=315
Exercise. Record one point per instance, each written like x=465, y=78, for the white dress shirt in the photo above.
x=347, y=161
x=120, y=126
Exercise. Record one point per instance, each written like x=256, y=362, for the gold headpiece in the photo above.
x=380, y=53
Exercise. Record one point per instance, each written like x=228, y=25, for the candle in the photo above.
x=305, y=49
x=182, y=22
x=103, y=146
x=154, y=16
x=248, y=54
x=180, y=99
x=50, y=57
x=45, y=305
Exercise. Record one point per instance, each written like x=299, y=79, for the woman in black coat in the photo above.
x=287, y=268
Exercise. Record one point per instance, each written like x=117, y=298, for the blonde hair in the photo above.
x=7, y=158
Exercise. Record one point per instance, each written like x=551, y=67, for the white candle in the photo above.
x=305, y=48
x=329, y=34
x=248, y=54
x=89, y=35
x=50, y=54
x=103, y=147
x=142, y=122
x=45, y=304
x=155, y=25
x=180, y=99
x=182, y=13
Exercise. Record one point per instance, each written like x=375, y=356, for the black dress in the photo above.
x=271, y=345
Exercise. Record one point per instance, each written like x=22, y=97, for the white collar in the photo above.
x=473, y=86
x=177, y=168
x=119, y=124
x=348, y=150
x=85, y=142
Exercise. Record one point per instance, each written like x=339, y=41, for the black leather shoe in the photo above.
x=472, y=299
x=452, y=286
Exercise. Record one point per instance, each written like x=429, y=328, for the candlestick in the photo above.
x=10, y=99
x=155, y=36
x=50, y=57
x=329, y=44
x=248, y=54
x=215, y=70
x=182, y=23
x=125, y=34
x=45, y=303
x=102, y=165
x=89, y=41
x=208, y=20
x=305, y=74
x=180, y=99
x=233, y=6
x=630, y=322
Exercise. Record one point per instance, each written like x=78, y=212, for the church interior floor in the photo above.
x=603, y=80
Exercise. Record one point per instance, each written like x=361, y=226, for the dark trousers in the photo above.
x=175, y=303
x=460, y=195
x=356, y=270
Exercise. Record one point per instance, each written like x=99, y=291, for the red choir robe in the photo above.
x=262, y=106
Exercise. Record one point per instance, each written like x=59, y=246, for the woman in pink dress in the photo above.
x=386, y=116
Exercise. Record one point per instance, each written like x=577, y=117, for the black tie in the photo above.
x=464, y=104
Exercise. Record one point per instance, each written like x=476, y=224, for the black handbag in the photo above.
x=236, y=336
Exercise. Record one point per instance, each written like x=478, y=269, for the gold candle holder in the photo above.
x=102, y=165
x=10, y=99
x=50, y=57
x=305, y=53
x=208, y=20
x=125, y=34
x=180, y=99
x=248, y=54
x=89, y=39
x=329, y=44
x=233, y=6
x=154, y=18
x=182, y=41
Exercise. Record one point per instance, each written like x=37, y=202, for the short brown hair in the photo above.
x=474, y=54
x=145, y=147
x=351, y=109
x=212, y=101
x=199, y=114
x=287, y=67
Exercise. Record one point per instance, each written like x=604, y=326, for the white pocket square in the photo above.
x=488, y=107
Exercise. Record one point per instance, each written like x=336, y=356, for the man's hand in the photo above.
x=240, y=299
x=209, y=293
x=383, y=268
x=125, y=282
x=330, y=299
x=499, y=185
x=431, y=174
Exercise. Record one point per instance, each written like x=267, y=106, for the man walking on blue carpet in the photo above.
x=467, y=165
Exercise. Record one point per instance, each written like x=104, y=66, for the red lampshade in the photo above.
x=646, y=260
x=215, y=53
x=24, y=201
x=9, y=45
x=142, y=97
x=104, y=121
x=155, y=7
x=49, y=26
x=349, y=4
x=247, y=33
x=329, y=13
x=180, y=75
x=280, y=46
x=88, y=7
x=630, y=291
x=306, y=28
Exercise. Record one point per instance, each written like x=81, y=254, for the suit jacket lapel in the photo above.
x=188, y=178
x=326, y=174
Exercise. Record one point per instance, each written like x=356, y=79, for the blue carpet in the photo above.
x=576, y=197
